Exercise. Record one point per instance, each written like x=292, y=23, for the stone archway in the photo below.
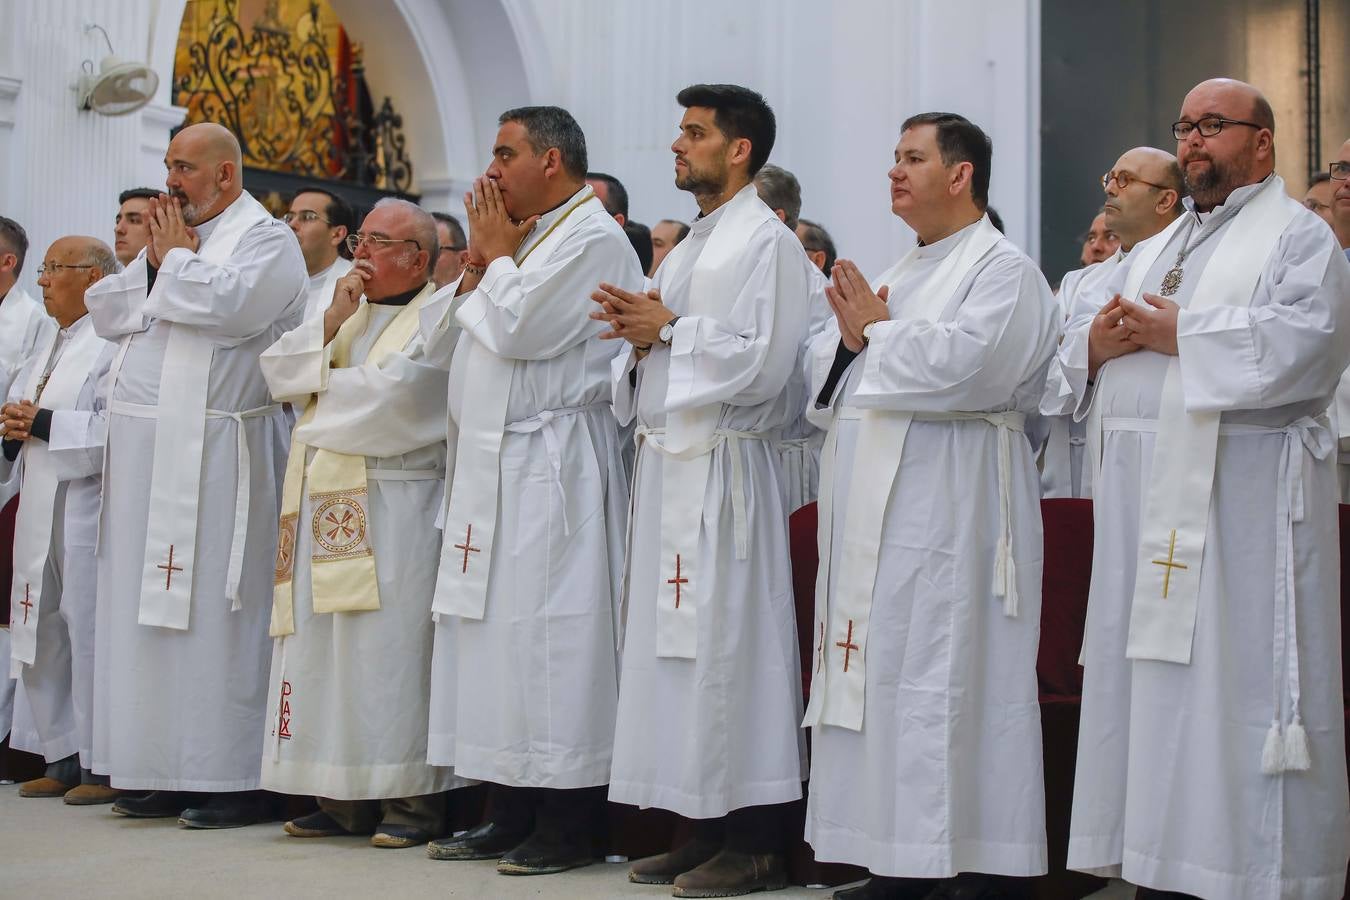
x=425, y=54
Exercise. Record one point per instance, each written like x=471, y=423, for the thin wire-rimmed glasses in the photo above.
x=305, y=215
x=54, y=268
x=354, y=241
x=1340, y=170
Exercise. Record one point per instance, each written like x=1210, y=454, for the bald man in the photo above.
x=53, y=425
x=1143, y=196
x=196, y=450
x=352, y=600
x=1211, y=756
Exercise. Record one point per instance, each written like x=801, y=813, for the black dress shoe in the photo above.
x=155, y=805
x=547, y=852
x=231, y=810
x=397, y=837
x=979, y=886
x=880, y=887
x=315, y=825
x=487, y=841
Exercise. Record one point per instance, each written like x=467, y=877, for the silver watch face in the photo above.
x=666, y=333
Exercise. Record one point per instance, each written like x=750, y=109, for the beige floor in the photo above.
x=50, y=850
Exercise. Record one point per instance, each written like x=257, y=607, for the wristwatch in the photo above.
x=867, y=331
x=667, y=332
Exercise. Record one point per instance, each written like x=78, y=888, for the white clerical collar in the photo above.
x=1237, y=198
x=75, y=327
x=707, y=222
x=939, y=249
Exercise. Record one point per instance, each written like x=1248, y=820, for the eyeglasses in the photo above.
x=1208, y=126
x=1315, y=205
x=354, y=241
x=1340, y=170
x=53, y=268
x=304, y=215
x=1123, y=180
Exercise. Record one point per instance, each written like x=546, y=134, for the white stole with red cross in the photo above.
x=683, y=576
x=838, y=686
x=37, y=499
x=470, y=527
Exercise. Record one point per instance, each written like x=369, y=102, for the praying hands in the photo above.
x=854, y=303
x=168, y=229
x=633, y=317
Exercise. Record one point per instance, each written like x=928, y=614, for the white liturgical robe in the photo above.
x=801, y=439
x=57, y=525
x=186, y=706
x=347, y=704
x=1062, y=473
x=938, y=769
x=705, y=732
x=525, y=677
x=1180, y=784
x=319, y=294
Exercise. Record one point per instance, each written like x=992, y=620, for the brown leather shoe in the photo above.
x=665, y=868
x=44, y=787
x=91, y=795
x=732, y=874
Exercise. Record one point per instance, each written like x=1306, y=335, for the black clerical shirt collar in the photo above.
x=399, y=299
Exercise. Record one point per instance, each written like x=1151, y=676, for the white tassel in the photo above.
x=1296, y=757
x=1272, y=754
x=1011, y=598
x=1001, y=558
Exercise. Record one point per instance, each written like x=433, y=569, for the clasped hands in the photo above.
x=18, y=419
x=633, y=317
x=1123, y=326
x=854, y=302
x=168, y=229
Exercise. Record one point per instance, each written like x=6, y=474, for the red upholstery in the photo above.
x=1064, y=593
x=7, y=515
x=802, y=547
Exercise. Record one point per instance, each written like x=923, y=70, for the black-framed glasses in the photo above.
x=1123, y=180
x=1340, y=170
x=305, y=215
x=354, y=241
x=53, y=268
x=1208, y=126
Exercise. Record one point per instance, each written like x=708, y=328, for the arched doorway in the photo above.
x=425, y=55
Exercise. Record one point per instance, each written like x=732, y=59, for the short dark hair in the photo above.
x=960, y=140
x=994, y=219
x=780, y=189
x=815, y=237
x=1317, y=178
x=141, y=193
x=13, y=239
x=552, y=126
x=683, y=228
x=738, y=112
x=338, y=211
x=640, y=236
x=457, y=236
x=616, y=202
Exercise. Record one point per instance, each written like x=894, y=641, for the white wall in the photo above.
x=841, y=76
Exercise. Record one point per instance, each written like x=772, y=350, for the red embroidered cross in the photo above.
x=26, y=603
x=847, y=644
x=677, y=581
x=467, y=547
x=169, y=568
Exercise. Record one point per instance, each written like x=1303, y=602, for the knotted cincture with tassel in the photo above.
x=1005, y=569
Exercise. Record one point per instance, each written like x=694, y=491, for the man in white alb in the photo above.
x=525, y=676
x=53, y=428
x=1211, y=753
x=321, y=221
x=194, y=457
x=357, y=547
x=711, y=690
x=926, y=733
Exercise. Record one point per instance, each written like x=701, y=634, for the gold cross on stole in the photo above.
x=1168, y=564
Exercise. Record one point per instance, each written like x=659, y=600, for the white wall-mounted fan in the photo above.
x=119, y=87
